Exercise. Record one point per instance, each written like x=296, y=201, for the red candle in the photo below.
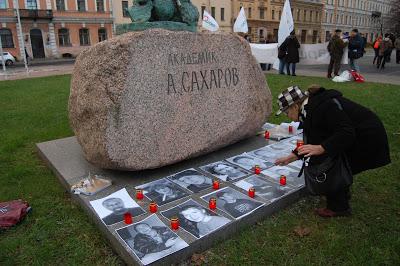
x=290, y=129
x=257, y=170
x=282, y=180
x=252, y=192
x=299, y=143
x=266, y=135
x=139, y=194
x=215, y=184
x=153, y=207
x=128, y=218
x=174, y=223
x=213, y=203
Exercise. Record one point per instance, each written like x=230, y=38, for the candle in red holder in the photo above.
x=213, y=203
x=282, y=180
x=153, y=207
x=290, y=129
x=252, y=192
x=299, y=143
x=215, y=184
x=266, y=135
x=257, y=170
x=139, y=194
x=128, y=218
x=175, y=223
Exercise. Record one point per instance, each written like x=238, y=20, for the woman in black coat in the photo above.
x=291, y=45
x=335, y=125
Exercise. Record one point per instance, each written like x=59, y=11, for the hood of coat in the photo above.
x=320, y=97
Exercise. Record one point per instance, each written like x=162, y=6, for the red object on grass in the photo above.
x=12, y=212
x=357, y=76
x=128, y=218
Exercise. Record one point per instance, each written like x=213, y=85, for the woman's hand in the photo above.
x=311, y=150
x=286, y=160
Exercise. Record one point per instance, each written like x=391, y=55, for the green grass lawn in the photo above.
x=59, y=232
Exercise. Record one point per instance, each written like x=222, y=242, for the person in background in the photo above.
x=269, y=40
x=355, y=49
x=385, y=49
x=375, y=45
x=336, y=49
x=393, y=39
x=292, y=46
x=364, y=42
x=334, y=125
x=397, y=46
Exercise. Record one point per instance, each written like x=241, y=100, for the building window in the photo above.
x=63, y=37
x=60, y=5
x=327, y=36
x=298, y=14
x=31, y=4
x=213, y=11
x=203, y=8
x=100, y=5
x=3, y=4
x=273, y=14
x=262, y=13
x=84, y=38
x=303, y=36
x=81, y=5
x=311, y=15
x=102, y=34
x=314, y=36
x=249, y=12
x=222, y=14
x=279, y=14
x=305, y=15
x=125, y=12
x=6, y=38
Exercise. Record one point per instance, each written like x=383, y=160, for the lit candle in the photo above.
x=252, y=192
x=213, y=203
x=153, y=207
x=266, y=135
x=257, y=170
x=175, y=223
x=299, y=143
x=139, y=194
x=215, y=184
x=282, y=180
x=290, y=129
x=128, y=218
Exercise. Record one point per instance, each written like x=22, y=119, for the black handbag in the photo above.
x=329, y=176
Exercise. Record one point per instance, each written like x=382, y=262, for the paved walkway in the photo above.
x=14, y=73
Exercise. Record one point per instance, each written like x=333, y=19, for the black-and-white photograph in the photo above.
x=264, y=188
x=111, y=209
x=292, y=142
x=296, y=164
x=268, y=126
x=249, y=162
x=192, y=180
x=196, y=219
x=162, y=191
x=233, y=202
x=150, y=240
x=268, y=154
x=224, y=171
x=291, y=175
x=281, y=147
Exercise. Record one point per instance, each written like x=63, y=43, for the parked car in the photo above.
x=9, y=59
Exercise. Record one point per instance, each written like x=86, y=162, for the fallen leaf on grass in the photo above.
x=198, y=259
x=302, y=231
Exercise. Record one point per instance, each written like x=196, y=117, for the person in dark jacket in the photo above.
x=336, y=49
x=334, y=125
x=356, y=47
x=385, y=49
x=291, y=45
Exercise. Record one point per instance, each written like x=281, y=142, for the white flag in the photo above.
x=209, y=22
x=241, y=22
x=286, y=24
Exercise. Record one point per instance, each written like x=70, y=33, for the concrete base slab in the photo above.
x=65, y=158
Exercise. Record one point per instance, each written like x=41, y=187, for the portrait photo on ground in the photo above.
x=291, y=175
x=224, y=171
x=192, y=180
x=248, y=162
x=267, y=154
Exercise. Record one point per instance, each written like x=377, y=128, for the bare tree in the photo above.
x=393, y=20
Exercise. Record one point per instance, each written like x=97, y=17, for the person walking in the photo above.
x=385, y=49
x=375, y=45
x=355, y=49
x=397, y=46
x=336, y=49
x=334, y=128
x=292, y=46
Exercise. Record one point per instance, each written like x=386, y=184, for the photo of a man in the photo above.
x=151, y=240
x=291, y=175
x=224, y=171
x=196, y=219
x=111, y=209
x=249, y=162
x=267, y=154
x=192, y=180
x=233, y=202
x=162, y=191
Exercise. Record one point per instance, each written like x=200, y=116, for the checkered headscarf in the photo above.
x=288, y=97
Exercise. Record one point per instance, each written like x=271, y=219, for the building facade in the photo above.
x=54, y=28
x=264, y=16
x=221, y=10
x=365, y=15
